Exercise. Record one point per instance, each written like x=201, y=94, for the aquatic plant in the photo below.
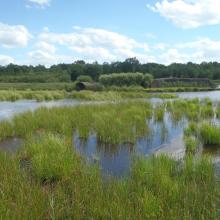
x=59, y=184
x=191, y=144
x=209, y=134
x=159, y=111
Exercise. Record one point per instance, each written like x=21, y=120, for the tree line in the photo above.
x=70, y=72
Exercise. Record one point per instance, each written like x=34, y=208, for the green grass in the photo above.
x=50, y=156
x=159, y=112
x=158, y=188
x=47, y=95
x=48, y=179
x=191, y=144
x=14, y=95
x=117, y=95
x=210, y=134
x=35, y=86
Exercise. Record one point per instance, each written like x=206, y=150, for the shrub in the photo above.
x=84, y=78
x=147, y=80
x=122, y=79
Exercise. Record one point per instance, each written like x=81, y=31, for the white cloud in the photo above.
x=44, y=46
x=97, y=44
x=5, y=60
x=41, y=3
x=13, y=36
x=37, y=57
x=202, y=49
x=172, y=55
x=189, y=13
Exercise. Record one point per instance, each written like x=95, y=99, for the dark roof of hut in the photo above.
x=88, y=86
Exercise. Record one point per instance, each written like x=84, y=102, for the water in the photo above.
x=116, y=159
x=166, y=138
x=8, y=109
x=11, y=145
x=213, y=95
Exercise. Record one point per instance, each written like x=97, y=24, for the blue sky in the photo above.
x=164, y=31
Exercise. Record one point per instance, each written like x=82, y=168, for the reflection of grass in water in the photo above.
x=164, y=132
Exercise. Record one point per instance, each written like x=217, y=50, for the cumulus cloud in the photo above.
x=50, y=48
x=189, y=13
x=37, y=57
x=97, y=44
x=45, y=54
x=13, y=36
x=5, y=60
x=202, y=49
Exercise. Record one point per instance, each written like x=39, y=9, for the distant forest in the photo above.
x=70, y=72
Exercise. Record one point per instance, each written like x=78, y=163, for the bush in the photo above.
x=84, y=78
x=147, y=80
x=122, y=79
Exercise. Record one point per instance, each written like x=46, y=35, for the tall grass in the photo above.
x=14, y=95
x=47, y=179
x=210, y=134
x=117, y=95
x=158, y=188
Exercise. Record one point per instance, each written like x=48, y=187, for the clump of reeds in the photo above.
x=210, y=134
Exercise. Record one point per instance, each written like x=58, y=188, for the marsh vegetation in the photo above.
x=48, y=178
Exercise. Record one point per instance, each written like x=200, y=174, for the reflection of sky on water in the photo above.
x=116, y=159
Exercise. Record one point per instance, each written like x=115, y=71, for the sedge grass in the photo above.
x=59, y=184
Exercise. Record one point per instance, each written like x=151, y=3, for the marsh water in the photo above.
x=164, y=137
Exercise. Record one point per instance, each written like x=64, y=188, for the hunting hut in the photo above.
x=88, y=86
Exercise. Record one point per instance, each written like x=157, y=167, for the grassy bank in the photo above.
x=36, y=86
x=14, y=95
x=45, y=95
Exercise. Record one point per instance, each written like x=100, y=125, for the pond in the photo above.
x=213, y=95
x=166, y=137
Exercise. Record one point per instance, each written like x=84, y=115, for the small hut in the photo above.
x=88, y=86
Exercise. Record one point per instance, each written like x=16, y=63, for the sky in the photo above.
x=48, y=32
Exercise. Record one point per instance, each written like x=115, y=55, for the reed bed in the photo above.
x=48, y=179
x=158, y=188
x=47, y=95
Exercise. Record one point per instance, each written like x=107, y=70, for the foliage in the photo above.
x=122, y=79
x=84, y=78
x=70, y=72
